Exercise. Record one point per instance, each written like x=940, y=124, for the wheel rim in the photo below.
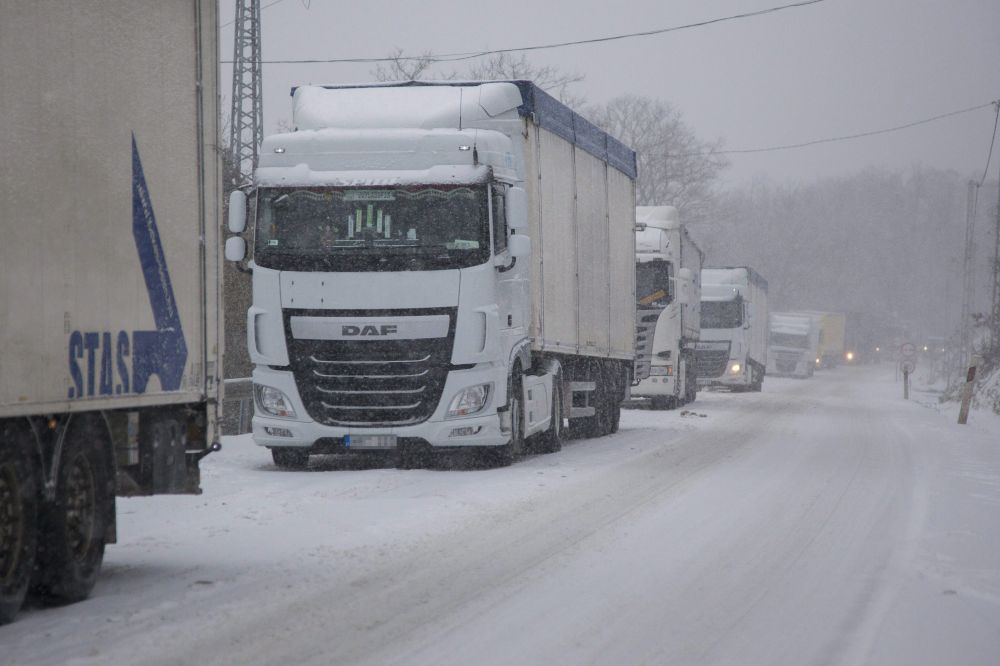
x=11, y=522
x=81, y=507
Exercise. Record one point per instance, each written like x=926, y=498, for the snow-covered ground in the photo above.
x=821, y=521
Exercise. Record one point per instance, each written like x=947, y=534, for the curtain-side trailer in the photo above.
x=109, y=275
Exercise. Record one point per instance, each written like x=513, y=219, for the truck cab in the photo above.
x=792, y=345
x=732, y=351
x=668, y=293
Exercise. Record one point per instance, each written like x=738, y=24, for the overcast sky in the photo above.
x=834, y=68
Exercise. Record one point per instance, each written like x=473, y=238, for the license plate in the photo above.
x=370, y=441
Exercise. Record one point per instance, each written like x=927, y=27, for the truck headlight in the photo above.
x=469, y=400
x=735, y=368
x=272, y=401
x=661, y=371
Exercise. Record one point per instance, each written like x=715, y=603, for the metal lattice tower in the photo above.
x=247, y=118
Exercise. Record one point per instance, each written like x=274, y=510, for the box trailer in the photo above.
x=438, y=266
x=109, y=275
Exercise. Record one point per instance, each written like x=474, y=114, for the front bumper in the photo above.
x=437, y=431
x=741, y=378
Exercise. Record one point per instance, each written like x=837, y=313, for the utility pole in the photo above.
x=968, y=284
x=995, y=309
x=246, y=119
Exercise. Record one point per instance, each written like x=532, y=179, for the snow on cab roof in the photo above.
x=453, y=104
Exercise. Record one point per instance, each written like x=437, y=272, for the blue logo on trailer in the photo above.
x=104, y=357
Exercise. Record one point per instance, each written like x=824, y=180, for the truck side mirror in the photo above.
x=519, y=245
x=516, y=205
x=237, y=213
x=684, y=286
x=236, y=248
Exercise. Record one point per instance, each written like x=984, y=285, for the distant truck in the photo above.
x=438, y=266
x=110, y=264
x=792, y=345
x=668, y=301
x=732, y=351
x=831, y=351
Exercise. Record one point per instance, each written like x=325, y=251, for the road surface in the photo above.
x=818, y=522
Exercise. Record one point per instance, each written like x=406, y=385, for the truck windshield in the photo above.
x=372, y=229
x=722, y=314
x=790, y=340
x=652, y=284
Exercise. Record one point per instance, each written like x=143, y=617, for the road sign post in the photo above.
x=907, y=366
x=970, y=380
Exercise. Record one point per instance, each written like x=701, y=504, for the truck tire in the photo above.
x=550, y=441
x=290, y=457
x=506, y=454
x=663, y=402
x=19, y=499
x=690, y=382
x=74, y=526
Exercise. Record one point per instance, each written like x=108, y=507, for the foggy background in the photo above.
x=874, y=224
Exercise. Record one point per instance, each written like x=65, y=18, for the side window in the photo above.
x=499, y=219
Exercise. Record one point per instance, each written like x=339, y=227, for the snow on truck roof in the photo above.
x=790, y=324
x=452, y=104
x=732, y=275
x=660, y=217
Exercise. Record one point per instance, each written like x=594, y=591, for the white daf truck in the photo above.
x=792, y=345
x=732, y=352
x=438, y=266
x=668, y=302
x=110, y=288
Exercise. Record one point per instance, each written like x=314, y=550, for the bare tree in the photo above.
x=496, y=67
x=401, y=67
x=675, y=167
x=504, y=66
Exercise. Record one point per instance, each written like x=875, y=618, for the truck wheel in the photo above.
x=506, y=454
x=550, y=441
x=19, y=487
x=662, y=402
x=614, y=415
x=290, y=457
x=690, y=383
x=74, y=526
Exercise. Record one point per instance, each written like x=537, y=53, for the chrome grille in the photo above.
x=711, y=363
x=369, y=383
x=646, y=319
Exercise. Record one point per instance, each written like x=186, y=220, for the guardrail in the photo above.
x=237, y=406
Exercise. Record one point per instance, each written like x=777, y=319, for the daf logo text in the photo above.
x=368, y=329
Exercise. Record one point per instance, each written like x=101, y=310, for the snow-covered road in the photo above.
x=819, y=522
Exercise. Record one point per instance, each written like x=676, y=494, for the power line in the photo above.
x=860, y=135
x=455, y=57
